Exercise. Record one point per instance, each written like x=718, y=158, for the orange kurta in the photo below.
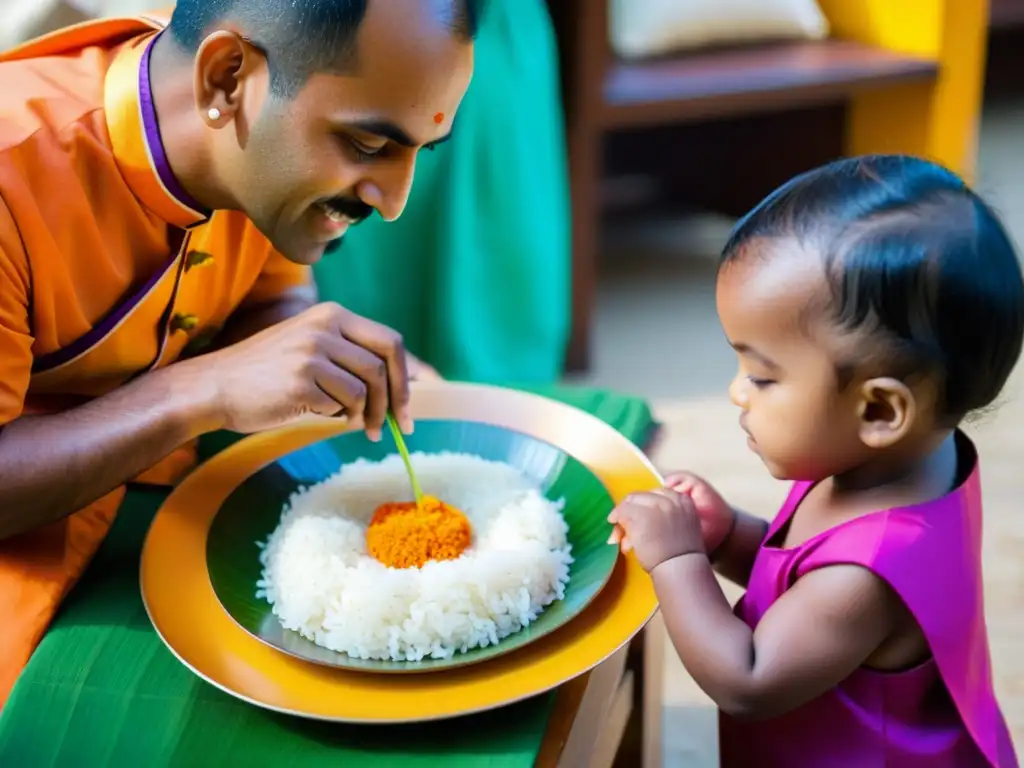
x=107, y=269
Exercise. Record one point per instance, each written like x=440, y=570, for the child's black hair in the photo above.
x=915, y=259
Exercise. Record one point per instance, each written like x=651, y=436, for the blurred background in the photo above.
x=570, y=230
x=606, y=146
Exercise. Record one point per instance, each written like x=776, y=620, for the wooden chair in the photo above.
x=897, y=76
x=1006, y=14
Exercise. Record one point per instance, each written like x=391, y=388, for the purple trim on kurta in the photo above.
x=106, y=326
x=165, y=318
x=175, y=236
x=156, y=146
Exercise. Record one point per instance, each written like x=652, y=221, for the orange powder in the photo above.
x=404, y=535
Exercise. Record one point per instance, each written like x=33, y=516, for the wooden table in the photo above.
x=611, y=716
x=621, y=696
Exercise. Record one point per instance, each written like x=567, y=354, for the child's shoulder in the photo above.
x=931, y=548
x=942, y=527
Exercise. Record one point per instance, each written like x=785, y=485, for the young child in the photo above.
x=872, y=303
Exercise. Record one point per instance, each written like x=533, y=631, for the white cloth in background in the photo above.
x=641, y=28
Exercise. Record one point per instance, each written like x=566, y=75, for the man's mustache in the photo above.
x=356, y=210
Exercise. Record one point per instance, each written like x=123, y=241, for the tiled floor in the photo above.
x=657, y=336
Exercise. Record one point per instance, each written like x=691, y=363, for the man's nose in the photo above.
x=387, y=188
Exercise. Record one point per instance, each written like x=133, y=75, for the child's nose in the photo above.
x=738, y=391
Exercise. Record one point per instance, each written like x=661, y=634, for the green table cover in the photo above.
x=102, y=689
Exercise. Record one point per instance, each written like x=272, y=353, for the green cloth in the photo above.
x=476, y=272
x=102, y=688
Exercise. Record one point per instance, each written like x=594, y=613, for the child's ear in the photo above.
x=887, y=409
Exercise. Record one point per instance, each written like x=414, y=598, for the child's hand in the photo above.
x=716, y=516
x=658, y=526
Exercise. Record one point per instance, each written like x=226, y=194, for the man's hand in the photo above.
x=420, y=371
x=325, y=361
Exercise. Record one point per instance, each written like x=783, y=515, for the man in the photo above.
x=163, y=195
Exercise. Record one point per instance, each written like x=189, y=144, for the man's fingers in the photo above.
x=347, y=392
x=369, y=369
x=318, y=401
x=389, y=347
x=420, y=371
x=382, y=342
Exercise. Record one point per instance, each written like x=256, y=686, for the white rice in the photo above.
x=323, y=584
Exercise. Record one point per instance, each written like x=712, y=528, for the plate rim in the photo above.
x=341, y=425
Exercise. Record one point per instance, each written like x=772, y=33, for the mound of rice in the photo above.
x=321, y=582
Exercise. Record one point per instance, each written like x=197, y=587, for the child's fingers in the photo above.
x=632, y=503
x=679, y=480
x=626, y=544
x=686, y=489
x=677, y=499
x=617, y=534
x=633, y=506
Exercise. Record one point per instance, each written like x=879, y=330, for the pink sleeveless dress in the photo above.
x=941, y=714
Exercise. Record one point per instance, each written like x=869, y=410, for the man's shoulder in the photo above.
x=55, y=81
x=53, y=131
x=53, y=146
x=50, y=94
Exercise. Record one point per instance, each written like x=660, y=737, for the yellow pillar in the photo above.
x=937, y=120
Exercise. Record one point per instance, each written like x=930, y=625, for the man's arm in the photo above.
x=53, y=465
x=326, y=361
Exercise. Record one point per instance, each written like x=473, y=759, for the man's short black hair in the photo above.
x=303, y=37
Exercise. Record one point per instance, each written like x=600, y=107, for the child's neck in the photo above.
x=927, y=471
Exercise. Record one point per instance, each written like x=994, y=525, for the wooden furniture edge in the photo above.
x=621, y=702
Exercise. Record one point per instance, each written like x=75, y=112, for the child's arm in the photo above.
x=734, y=557
x=821, y=630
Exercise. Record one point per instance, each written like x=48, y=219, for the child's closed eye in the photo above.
x=760, y=383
